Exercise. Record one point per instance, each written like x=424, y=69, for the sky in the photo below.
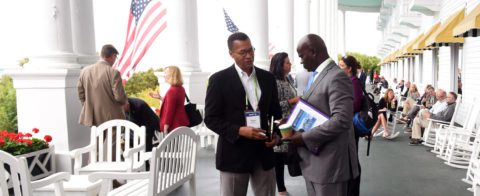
x=111, y=22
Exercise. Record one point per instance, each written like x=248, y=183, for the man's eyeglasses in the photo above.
x=244, y=53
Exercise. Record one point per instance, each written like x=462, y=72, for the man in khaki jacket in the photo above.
x=100, y=90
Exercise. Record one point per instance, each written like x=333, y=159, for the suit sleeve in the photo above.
x=117, y=88
x=340, y=97
x=214, y=116
x=81, y=90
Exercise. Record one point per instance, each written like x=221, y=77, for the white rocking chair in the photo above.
x=18, y=176
x=129, y=151
x=172, y=164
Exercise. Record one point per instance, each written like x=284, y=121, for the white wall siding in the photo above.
x=427, y=67
x=471, y=60
x=444, y=80
x=417, y=70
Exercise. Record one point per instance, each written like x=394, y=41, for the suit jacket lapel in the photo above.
x=237, y=85
x=319, y=79
x=261, y=84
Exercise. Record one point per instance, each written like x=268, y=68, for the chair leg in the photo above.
x=193, y=188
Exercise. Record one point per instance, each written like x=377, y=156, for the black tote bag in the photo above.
x=194, y=115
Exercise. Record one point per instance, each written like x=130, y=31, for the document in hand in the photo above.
x=305, y=116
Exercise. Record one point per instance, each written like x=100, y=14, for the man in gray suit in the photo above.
x=329, y=158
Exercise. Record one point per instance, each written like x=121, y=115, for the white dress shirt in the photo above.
x=251, y=86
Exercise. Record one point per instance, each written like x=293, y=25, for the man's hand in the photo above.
x=274, y=141
x=252, y=133
x=296, y=138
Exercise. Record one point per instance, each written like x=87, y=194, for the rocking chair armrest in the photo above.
x=438, y=121
x=129, y=152
x=54, y=178
x=79, y=151
x=76, y=155
x=462, y=131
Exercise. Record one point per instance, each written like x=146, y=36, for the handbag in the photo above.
x=194, y=115
x=292, y=160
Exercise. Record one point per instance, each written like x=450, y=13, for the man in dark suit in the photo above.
x=329, y=159
x=140, y=113
x=239, y=104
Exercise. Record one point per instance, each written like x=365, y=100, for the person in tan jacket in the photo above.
x=101, y=91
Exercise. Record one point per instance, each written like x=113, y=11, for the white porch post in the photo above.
x=46, y=88
x=254, y=22
x=285, y=31
x=182, y=28
x=326, y=14
x=301, y=27
x=83, y=32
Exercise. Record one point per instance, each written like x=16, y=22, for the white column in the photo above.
x=83, y=32
x=51, y=40
x=183, y=34
x=182, y=28
x=301, y=26
x=343, y=31
x=253, y=21
x=327, y=25
x=314, y=20
x=282, y=19
x=46, y=88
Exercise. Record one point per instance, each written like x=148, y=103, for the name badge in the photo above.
x=253, y=119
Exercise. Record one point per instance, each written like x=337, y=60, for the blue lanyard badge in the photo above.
x=252, y=119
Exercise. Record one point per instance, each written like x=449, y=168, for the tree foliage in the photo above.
x=141, y=81
x=367, y=62
x=8, y=104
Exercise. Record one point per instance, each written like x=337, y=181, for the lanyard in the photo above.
x=255, y=84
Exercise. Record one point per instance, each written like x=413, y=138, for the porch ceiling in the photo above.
x=360, y=5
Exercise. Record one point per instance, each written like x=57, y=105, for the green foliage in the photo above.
x=8, y=104
x=152, y=102
x=367, y=62
x=141, y=81
x=23, y=61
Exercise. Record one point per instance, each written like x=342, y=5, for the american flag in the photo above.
x=233, y=29
x=145, y=22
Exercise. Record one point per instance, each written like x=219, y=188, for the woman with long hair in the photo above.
x=387, y=102
x=172, y=111
x=350, y=65
x=280, y=67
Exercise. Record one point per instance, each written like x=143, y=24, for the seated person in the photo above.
x=442, y=110
x=411, y=99
x=399, y=87
x=426, y=101
x=406, y=89
x=387, y=102
x=140, y=113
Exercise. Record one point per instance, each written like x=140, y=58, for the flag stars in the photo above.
x=137, y=7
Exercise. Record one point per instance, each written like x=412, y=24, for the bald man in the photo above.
x=329, y=158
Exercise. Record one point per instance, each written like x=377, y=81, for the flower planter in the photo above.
x=41, y=163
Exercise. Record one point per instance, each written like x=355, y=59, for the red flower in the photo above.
x=1, y=141
x=29, y=142
x=28, y=135
x=35, y=130
x=48, y=138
